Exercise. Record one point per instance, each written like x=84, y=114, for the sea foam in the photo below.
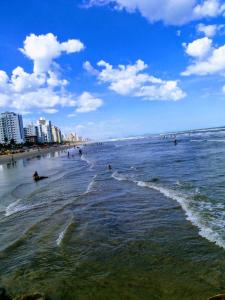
x=206, y=227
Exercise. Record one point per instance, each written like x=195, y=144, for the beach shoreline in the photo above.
x=4, y=159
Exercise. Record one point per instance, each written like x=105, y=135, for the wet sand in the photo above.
x=4, y=159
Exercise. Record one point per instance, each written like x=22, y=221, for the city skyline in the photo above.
x=13, y=130
x=149, y=69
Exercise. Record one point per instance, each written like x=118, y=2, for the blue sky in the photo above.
x=114, y=68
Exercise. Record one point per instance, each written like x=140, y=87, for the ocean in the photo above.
x=153, y=227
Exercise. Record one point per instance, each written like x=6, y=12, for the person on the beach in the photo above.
x=13, y=160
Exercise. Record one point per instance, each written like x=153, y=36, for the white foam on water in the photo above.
x=119, y=177
x=16, y=207
x=62, y=234
x=90, y=163
x=216, y=140
x=12, y=208
x=91, y=185
x=126, y=139
x=212, y=230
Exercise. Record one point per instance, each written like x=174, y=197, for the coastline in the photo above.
x=4, y=159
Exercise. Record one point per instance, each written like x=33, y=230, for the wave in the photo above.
x=69, y=227
x=209, y=229
x=126, y=139
x=89, y=162
x=119, y=176
x=91, y=184
x=16, y=207
x=12, y=208
x=216, y=140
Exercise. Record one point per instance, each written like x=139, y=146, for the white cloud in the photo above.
x=214, y=63
x=208, y=30
x=50, y=110
x=3, y=80
x=88, y=67
x=169, y=11
x=87, y=102
x=131, y=80
x=43, y=49
x=71, y=115
x=208, y=8
x=43, y=89
x=199, y=48
x=101, y=129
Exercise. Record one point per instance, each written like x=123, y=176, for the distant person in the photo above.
x=35, y=176
x=68, y=154
x=80, y=152
x=110, y=167
x=175, y=142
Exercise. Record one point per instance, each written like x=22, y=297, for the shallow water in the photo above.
x=152, y=228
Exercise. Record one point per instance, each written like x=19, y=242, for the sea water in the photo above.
x=153, y=227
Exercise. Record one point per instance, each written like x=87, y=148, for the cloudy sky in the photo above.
x=114, y=68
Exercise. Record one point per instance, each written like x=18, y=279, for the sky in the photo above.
x=114, y=68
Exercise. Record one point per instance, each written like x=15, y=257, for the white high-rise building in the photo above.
x=11, y=128
x=45, y=131
x=30, y=130
x=57, y=135
x=31, y=133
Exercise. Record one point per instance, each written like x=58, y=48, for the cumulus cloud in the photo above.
x=50, y=110
x=208, y=30
x=207, y=8
x=212, y=63
x=43, y=49
x=43, y=89
x=131, y=80
x=168, y=11
x=101, y=129
x=87, y=102
x=199, y=48
x=89, y=68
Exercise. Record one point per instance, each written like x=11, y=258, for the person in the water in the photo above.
x=175, y=142
x=80, y=152
x=109, y=167
x=35, y=175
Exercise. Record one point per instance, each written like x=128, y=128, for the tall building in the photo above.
x=57, y=135
x=45, y=131
x=11, y=128
x=31, y=133
x=72, y=137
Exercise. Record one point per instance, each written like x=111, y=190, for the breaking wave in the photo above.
x=211, y=228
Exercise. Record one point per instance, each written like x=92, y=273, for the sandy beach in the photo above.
x=4, y=159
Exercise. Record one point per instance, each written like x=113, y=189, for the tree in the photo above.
x=12, y=142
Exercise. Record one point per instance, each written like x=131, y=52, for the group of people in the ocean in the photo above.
x=79, y=151
x=36, y=176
